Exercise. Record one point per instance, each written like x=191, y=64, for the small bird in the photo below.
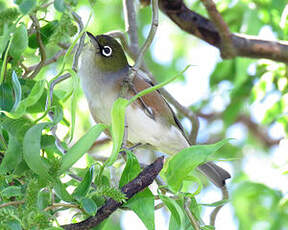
x=150, y=120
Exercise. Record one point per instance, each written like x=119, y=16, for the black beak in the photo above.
x=93, y=39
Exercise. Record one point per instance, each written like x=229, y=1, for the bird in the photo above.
x=151, y=121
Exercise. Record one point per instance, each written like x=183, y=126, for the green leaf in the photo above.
x=181, y=164
x=81, y=147
x=59, y=5
x=74, y=101
x=31, y=150
x=4, y=63
x=17, y=90
x=11, y=191
x=143, y=202
x=13, y=155
x=82, y=189
x=217, y=203
x=118, y=123
x=4, y=38
x=45, y=32
x=33, y=97
x=131, y=170
x=61, y=192
x=19, y=42
x=6, y=96
x=44, y=199
x=26, y=6
x=89, y=206
x=143, y=205
x=14, y=225
x=177, y=219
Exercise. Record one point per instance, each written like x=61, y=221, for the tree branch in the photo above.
x=41, y=47
x=226, y=48
x=244, y=45
x=131, y=25
x=225, y=196
x=143, y=180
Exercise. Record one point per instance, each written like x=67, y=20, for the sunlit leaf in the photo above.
x=181, y=164
x=81, y=147
x=61, y=192
x=177, y=219
x=13, y=155
x=31, y=150
x=19, y=42
x=118, y=121
x=143, y=202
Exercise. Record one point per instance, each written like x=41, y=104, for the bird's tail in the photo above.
x=215, y=174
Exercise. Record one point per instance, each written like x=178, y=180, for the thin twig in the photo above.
x=80, y=179
x=65, y=76
x=227, y=49
x=191, y=217
x=12, y=203
x=81, y=42
x=150, y=37
x=225, y=196
x=41, y=47
x=131, y=25
x=47, y=62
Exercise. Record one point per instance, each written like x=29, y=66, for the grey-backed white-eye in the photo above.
x=151, y=121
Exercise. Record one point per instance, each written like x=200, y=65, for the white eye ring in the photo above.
x=107, y=51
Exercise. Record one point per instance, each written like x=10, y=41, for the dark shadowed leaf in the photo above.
x=17, y=90
x=82, y=189
x=89, y=206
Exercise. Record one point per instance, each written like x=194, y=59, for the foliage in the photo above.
x=34, y=172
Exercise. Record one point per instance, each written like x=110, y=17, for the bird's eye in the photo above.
x=107, y=51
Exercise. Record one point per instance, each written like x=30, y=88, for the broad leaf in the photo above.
x=143, y=202
x=82, y=189
x=13, y=155
x=89, y=206
x=81, y=147
x=32, y=98
x=177, y=219
x=181, y=164
x=118, y=129
x=19, y=42
x=31, y=150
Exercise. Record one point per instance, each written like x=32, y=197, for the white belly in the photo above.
x=143, y=129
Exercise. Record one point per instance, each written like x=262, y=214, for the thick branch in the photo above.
x=244, y=45
x=143, y=180
x=131, y=26
x=227, y=49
